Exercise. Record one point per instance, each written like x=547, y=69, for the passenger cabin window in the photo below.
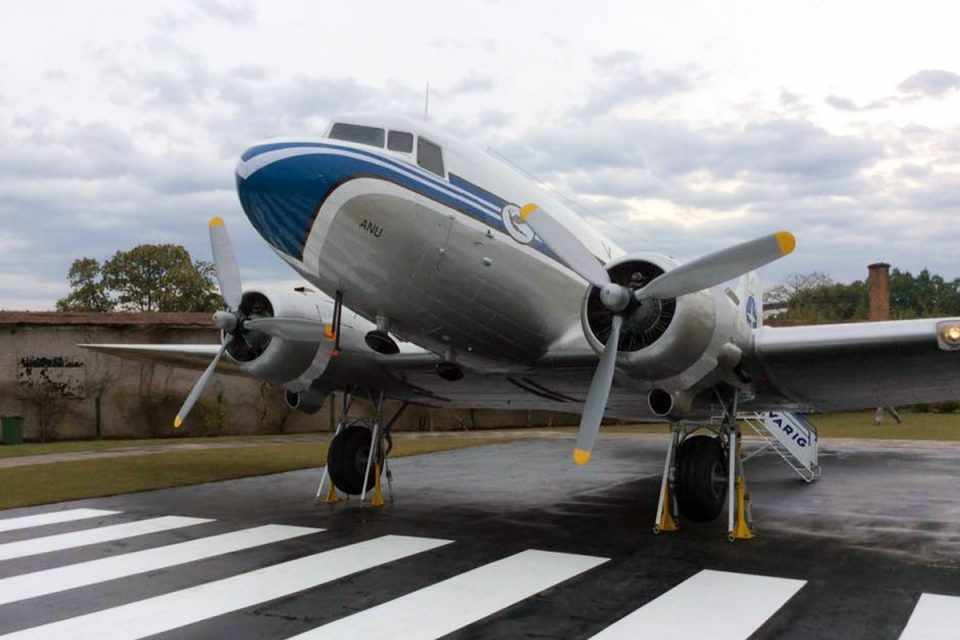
x=429, y=156
x=357, y=133
x=400, y=141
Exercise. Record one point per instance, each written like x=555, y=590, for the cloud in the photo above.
x=473, y=82
x=235, y=12
x=622, y=78
x=846, y=104
x=934, y=83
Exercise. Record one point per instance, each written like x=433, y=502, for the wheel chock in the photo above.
x=667, y=521
x=332, y=497
x=741, y=530
x=377, y=499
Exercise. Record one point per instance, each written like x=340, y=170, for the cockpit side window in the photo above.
x=429, y=156
x=400, y=141
x=357, y=133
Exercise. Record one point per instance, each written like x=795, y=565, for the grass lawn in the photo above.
x=45, y=483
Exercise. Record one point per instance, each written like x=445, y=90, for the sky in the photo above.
x=680, y=127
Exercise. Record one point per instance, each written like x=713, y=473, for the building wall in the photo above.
x=55, y=386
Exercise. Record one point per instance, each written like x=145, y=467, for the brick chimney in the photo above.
x=878, y=286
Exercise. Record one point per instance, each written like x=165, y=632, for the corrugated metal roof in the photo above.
x=106, y=319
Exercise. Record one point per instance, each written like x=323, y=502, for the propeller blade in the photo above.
x=293, y=329
x=719, y=267
x=198, y=389
x=596, y=402
x=228, y=273
x=565, y=244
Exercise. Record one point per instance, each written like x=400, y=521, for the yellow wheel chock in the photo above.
x=377, y=499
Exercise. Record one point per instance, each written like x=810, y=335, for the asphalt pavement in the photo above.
x=501, y=541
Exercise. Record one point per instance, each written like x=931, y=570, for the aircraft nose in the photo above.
x=279, y=187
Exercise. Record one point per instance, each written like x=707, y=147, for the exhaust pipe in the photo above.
x=661, y=402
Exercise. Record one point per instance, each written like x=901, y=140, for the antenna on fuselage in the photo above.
x=426, y=103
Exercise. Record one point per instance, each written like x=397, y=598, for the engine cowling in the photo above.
x=659, y=338
x=276, y=360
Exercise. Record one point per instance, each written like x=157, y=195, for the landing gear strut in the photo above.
x=357, y=455
x=703, y=473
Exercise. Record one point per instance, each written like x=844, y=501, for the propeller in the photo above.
x=702, y=273
x=233, y=322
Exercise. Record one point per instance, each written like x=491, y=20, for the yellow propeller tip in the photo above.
x=787, y=242
x=177, y=422
x=526, y=210
x=581, y=456
x=216, y=221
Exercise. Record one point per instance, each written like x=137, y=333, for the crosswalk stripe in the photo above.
x=23, y=548
x=40, y=583
x=53, y=517
x=934, y=618
x=712, y=604
x=173, y=610
x=454, y=603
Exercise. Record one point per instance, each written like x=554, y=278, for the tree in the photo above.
x=814, y=298
x=146, y=278
x=86, y=288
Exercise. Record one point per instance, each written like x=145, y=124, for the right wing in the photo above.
x=860, y=365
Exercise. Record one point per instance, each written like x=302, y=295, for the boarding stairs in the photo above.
x=791, y=435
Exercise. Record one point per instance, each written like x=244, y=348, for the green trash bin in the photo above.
x=12, y=427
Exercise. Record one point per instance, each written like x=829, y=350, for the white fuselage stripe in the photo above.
x=449, y=605
x=46, y=544
x=187, y=606
x=712, y=604
x=54, y=517
x=936, y=617
x=41, y=583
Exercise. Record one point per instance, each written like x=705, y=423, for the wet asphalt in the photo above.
x=880, y=528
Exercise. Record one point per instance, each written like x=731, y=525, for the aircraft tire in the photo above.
x=701, y=478
x=347, y=460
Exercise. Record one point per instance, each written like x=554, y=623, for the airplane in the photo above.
x=445, y=277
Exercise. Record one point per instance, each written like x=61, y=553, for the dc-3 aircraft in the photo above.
x=470, y=286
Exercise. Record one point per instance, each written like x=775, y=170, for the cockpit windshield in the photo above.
x=357, y=133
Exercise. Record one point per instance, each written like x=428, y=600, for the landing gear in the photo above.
x=358, y=453
x=702, y=473
x=701, y=478
x=347, y=460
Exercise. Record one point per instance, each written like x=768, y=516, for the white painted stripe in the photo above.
x=174, y=610
x=53, y=517
x=23, y=548
x=444, y=607
x=935, y=617
x=41, y=583
x=712, y=604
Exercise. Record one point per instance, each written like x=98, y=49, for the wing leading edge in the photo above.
x=861, y=365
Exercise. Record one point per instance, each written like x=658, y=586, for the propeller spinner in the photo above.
x=693, y=276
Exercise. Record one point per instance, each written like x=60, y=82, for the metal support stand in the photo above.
x=666, y=508
x=738, y=526
x=331, y=497
x=372, y=455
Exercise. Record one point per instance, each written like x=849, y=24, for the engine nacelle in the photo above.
x=273, y=359
x=659, y=338
x=307, y=401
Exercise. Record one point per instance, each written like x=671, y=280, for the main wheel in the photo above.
x=347, y=460
x=701, y=478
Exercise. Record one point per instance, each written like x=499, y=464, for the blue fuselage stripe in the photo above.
x=283, y=197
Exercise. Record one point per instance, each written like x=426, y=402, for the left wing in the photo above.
x=856, y=366
x=189, y=356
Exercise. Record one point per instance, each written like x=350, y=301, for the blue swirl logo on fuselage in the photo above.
x=752, y=318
